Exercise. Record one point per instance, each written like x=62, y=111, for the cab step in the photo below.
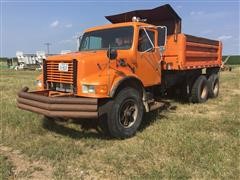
x=155, y=105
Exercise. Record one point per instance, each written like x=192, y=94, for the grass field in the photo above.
x=233, y=60
x=5, y=166
x=3, y=65
x=199, y=141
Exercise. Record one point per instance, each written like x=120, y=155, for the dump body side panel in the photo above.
x=190, y=52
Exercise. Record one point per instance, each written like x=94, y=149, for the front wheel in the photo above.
x=126, y=114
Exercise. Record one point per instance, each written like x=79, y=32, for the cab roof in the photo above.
x=123, y=24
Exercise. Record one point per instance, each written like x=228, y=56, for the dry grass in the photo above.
x=182, y=141
x=5, y=167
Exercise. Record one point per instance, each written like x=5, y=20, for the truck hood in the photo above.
x=90, y=63
x=84, y=55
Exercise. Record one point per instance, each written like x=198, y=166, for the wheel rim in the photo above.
x=128, y=113
x=204, y=92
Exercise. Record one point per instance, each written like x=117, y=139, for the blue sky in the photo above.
x=27, y=25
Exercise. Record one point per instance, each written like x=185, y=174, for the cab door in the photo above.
x=148, y=66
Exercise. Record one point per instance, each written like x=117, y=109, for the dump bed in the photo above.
x=190, y=52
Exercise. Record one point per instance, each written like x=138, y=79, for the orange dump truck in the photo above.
x=124, y=68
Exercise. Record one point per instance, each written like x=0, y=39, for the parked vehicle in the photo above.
x=122, y=69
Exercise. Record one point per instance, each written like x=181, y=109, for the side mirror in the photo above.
x=112, y=53
x=162, y=36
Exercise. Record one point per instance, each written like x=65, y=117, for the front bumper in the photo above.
x=62, y=106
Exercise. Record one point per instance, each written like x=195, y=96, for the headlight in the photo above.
x=88, y=89
x=39, y=83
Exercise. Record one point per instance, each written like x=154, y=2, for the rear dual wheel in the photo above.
x=199, y=93
x=213, y=85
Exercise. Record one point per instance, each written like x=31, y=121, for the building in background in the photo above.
x=30, y=59
x=33, y=61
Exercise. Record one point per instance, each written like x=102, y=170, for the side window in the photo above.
x=95, y=42
x=143, y=41
x=92, y=42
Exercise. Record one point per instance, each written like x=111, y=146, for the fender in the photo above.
x=139, y=82
x=121, y=81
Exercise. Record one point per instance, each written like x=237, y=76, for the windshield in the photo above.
x=118, y=38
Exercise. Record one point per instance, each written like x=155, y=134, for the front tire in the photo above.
x=126, y=114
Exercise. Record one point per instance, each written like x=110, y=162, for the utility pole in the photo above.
x=47, y=44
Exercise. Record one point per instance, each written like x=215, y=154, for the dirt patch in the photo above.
x=236, y=91
x=24, y=168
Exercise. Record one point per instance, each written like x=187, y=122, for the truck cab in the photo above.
x=107, y=54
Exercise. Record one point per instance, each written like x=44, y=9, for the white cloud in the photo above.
x=196, y=13
x=208, y=15
x=68, y=25
x=54, y=23
x=224, y=37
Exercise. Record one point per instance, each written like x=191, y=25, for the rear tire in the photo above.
x=126, y=113
x=213, y=85
x=199, y=93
